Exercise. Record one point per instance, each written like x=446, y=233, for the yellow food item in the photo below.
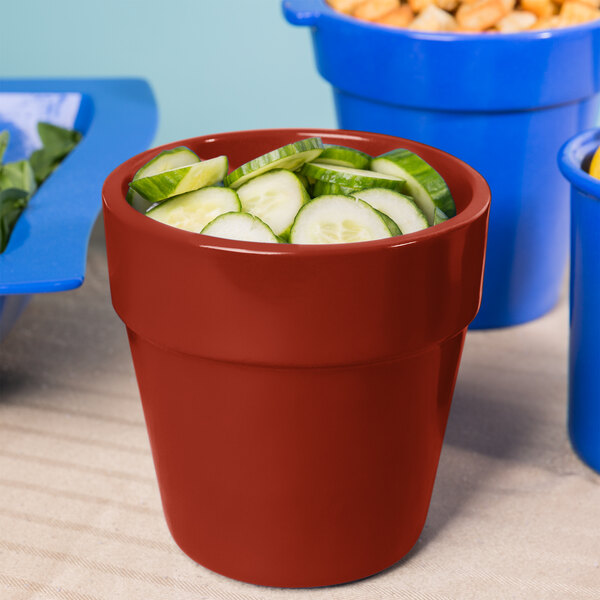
x=472, y=16
x=433, y=18
x=575, y=12
x=399, y=17
x=447, y=5
x=418, y=6
x=481, y=15
x=516, y=20
x=345, y=6
x=370, y=10
x=595, y=165
x=543, y=9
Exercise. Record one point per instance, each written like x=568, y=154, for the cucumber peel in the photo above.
x=439, y=216
x=194, y=210
x=167, y=160
x=345, y=157
x=423, y=182
x=290, y=157
x=325, y=188
x=163, y=161
x=390, y=223
x=400, y=208
x=350, y=177
x=240, y=226
x=167, y=184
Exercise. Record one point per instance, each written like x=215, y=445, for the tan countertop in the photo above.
x=514, y=513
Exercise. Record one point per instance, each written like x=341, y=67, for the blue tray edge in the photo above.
x=122, y=118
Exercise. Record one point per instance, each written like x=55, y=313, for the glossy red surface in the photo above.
x=296, y=397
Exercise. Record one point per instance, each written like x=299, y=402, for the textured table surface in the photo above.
x=514, y=513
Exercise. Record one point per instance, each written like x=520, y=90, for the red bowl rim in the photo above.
x=114, y=200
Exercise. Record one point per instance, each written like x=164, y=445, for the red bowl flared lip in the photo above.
x=115, y=187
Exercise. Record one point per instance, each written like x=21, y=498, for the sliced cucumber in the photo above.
x=275, y=197
x=391, y=224
x=324, y=188
x=423, y=182
x=291, y=157
x=345, y=157
x=194, y=210
x=168, y=160
x=337, y=220
x=167, y=184
x=439, y=216
x=240, y=226
x=164, y=161
x=400, y=208
x=140, y=204
x=304, y=181
x=352, y=178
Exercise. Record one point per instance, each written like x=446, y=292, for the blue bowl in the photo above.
x=48, y=247
x=584, y=339
x=503, y=103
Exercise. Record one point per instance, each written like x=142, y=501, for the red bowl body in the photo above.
x=296, y=397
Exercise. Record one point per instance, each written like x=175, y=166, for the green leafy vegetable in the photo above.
x=12, y=204
x=57, y=143
x=20, y=179
x=3, y=143
x=18, y=175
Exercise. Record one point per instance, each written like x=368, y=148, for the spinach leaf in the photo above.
x=57, y=143
x=12, y=204
x=20, y=179
x=4, y=136
x=18, y=175
x=42, y=163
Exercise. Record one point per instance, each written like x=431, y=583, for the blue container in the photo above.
x=584, y=342
x=48, y=247
x=502, y=103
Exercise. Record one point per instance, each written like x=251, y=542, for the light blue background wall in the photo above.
x=215, y=65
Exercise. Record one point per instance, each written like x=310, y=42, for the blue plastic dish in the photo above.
x=503, y=103
x=48, y=247
x=584, y=339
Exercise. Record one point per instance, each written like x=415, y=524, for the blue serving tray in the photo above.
x=48, y=247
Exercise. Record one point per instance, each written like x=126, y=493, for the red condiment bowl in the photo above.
x=296, y=397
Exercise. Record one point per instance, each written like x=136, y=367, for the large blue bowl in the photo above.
x=48, y=248
x=584, y=339
x=502, y=103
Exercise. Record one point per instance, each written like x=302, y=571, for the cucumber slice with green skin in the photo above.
x=391, y=225
x=439, y=216
x=291, y=157
x=423, y=182
x=240, y=226
x=337, y=220
x=352, y=178
x=168, y=160
x=304, y=181
x=164, y=161
x=195, y=210
x=167, y=184
x=274, y=197
x=140, y=204
x=400, y=208
x=324, y=188
x=345, y=157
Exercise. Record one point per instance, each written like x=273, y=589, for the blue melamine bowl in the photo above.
x=503, y=103
x=48, y=247
x=584, y=342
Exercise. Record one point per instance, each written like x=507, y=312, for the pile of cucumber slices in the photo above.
x=301, y=193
